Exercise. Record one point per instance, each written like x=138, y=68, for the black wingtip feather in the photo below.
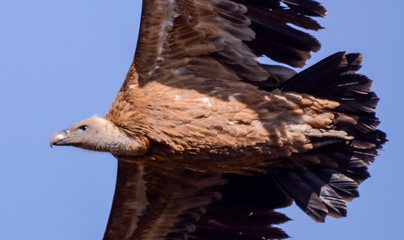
x=275, y=37
x=246, y=211
x=307, y=7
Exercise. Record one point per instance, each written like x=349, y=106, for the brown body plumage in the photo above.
x=209, y=141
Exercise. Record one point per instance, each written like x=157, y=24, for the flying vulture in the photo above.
x=210, y=141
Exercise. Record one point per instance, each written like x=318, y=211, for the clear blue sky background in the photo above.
x=63, y=61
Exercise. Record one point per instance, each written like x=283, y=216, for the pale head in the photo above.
x=99, y=134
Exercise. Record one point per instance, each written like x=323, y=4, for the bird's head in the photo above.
x=99, y=134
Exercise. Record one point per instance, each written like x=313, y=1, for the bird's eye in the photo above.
x=83, y=127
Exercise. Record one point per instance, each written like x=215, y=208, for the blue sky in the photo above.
x=63, y=61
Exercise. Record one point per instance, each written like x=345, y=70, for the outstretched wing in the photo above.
x=221, y=39
x=151, y=204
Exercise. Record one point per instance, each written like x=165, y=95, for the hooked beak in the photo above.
x=60, y=138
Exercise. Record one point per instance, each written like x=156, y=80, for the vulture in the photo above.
x=210, y=141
